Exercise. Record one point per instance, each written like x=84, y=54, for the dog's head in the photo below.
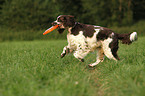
x=64, y=21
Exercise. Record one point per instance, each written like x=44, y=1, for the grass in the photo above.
x=34, y=68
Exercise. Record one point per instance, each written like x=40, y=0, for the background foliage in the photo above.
x=35, y=15
x=39, y=13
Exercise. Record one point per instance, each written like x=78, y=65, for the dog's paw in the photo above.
x=90, y=65
x=82, y=60
x=62, y=55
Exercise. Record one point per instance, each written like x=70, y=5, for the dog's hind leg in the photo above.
x=100, y=57
x=110, y=48
x=114, y=48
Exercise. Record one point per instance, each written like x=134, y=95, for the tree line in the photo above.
x=38, y=14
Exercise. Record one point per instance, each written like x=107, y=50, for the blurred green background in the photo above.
x=28, y=19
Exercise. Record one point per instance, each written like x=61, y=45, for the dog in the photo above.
x=83, y=39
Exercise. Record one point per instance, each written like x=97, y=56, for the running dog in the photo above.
x=84, y=38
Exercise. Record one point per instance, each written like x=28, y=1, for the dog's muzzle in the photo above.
x=54, y=23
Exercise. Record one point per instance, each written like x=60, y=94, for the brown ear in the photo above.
x=61, y=30
x=71, y=17
x=70, y=21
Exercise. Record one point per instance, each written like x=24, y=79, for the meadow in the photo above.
x=34, y=68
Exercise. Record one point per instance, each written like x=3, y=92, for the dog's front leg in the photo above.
x=80, y=54
x=66, y=50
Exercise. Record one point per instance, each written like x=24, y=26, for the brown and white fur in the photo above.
x=83, y=38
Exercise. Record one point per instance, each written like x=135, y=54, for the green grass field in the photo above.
x=34, y=68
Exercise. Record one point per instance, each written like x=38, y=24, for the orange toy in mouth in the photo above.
x=50, y=29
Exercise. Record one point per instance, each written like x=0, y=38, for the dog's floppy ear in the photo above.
x=72, y=18
x=70, y=21
x=60, y=30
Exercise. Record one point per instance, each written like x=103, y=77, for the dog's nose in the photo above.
x=54, y=23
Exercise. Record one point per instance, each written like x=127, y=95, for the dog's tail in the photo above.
x=127, y=38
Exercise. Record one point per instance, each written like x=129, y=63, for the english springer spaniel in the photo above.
x=83, y=38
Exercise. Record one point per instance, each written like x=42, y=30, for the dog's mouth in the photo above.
x=57, y=23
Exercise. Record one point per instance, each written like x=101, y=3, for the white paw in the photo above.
x=63, y=54
x=91, y=65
